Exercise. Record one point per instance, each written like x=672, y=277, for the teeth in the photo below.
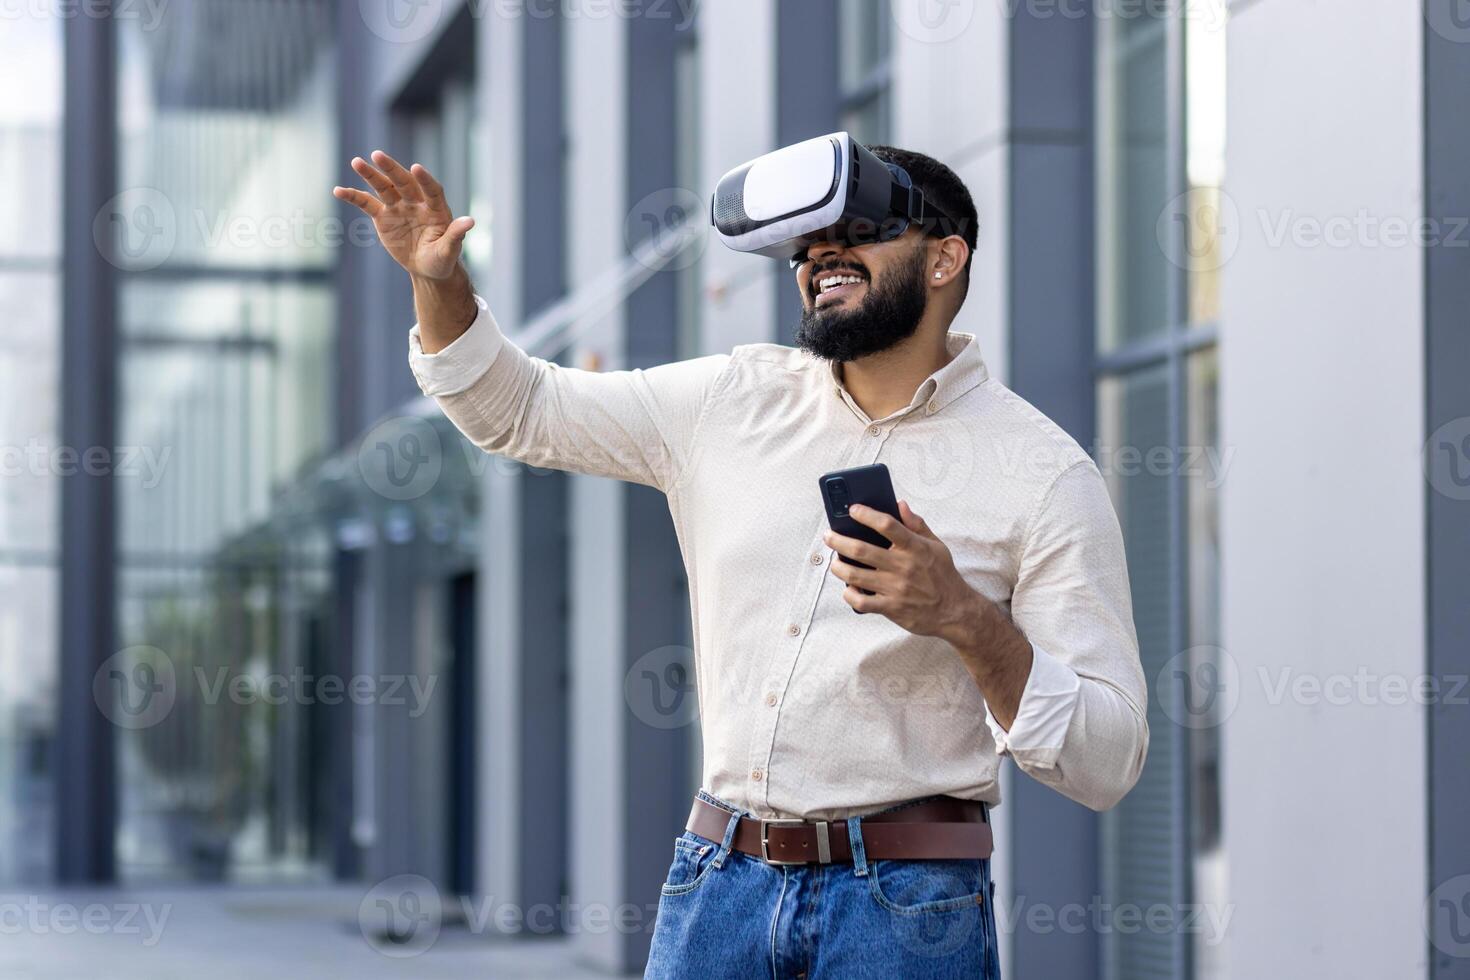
x=831, y=281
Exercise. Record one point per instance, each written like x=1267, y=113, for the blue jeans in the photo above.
x=726, y=914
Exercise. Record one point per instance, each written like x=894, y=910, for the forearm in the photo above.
x=995, y=653
x=445, y=308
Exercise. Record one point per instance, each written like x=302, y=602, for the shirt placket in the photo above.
x=799, y=615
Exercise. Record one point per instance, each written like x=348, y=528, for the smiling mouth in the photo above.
x=832, y=287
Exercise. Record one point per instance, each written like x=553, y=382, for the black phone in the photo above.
x=867, y=485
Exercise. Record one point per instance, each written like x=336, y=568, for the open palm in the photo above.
x=412, y=218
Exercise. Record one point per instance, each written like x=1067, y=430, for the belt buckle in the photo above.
x=765, y=840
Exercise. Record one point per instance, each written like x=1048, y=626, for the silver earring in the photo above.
x=938, y=275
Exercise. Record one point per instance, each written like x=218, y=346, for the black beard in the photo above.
x=890, y=313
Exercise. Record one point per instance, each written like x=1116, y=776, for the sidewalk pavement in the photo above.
x=243, y=933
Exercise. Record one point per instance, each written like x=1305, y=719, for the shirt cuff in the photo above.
x=461, y=364
x=1047, y=705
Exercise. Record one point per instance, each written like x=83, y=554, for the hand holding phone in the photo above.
x=870, y=486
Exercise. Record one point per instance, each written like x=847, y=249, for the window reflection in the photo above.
x=226, y=322
x=30, y=464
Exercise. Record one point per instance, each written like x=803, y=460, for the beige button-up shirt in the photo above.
x=809, y=709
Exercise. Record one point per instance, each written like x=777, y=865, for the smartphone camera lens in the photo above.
x=837, y=494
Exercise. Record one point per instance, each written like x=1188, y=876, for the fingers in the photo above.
x=884, y=524
x=370, y=205
x=403, y=182
x=433, y=190
x=913, y=521
x=863, y=603
x=864, y=578
x=375, y=180
x=868, y=554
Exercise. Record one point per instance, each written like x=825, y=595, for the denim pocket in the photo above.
x=693, y=858
x=922, y=887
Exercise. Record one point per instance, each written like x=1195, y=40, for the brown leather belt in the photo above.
x=936, y=829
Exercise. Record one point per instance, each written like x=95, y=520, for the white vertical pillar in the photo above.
x=596, y=85
x=950, y=98
x=497, y=181
x=1322, y=401
x=738, y=121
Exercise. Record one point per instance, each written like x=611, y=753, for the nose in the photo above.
x=818, y=251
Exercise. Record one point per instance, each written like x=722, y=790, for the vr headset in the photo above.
x=831, y=188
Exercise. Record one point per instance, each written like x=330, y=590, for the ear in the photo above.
x=947, y=260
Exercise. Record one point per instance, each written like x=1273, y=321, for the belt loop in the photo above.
x=855, y=843
x=729, y=841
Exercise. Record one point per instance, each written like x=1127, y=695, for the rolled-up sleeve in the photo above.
x=1080, y=727
x=638, y=425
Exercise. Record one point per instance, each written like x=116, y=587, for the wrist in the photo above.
x=972, y=623
x=445, y=307
x=456, y=281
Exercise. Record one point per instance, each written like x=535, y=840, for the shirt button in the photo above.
x=757, y=775
x=816, y=559
x=793, y=630
x=873, y=430
x=770, y=700
x=932, y=408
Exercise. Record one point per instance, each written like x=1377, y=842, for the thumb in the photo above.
x=458, y=228
x=913, y=521
x=450, y=243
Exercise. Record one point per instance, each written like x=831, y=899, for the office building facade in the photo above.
x=1214, y=247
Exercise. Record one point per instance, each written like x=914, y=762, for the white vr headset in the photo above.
x=831, y=188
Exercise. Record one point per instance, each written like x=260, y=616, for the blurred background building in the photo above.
x=267, y=622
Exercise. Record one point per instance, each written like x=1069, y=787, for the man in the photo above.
x=841, y=830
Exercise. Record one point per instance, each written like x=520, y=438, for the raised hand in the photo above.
x=412, y=218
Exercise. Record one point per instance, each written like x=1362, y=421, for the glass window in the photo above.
x=864, y=62
x=32, y=463
x=1209, y=226
x=225, y=321
x=1133, y=174
x=1160, y=243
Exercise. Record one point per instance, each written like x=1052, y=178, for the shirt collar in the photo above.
x=965, y=370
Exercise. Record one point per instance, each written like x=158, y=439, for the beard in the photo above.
x=888, y=314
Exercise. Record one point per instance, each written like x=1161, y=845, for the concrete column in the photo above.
x=738, y=98
x=1322, y=512
x=596, y=60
